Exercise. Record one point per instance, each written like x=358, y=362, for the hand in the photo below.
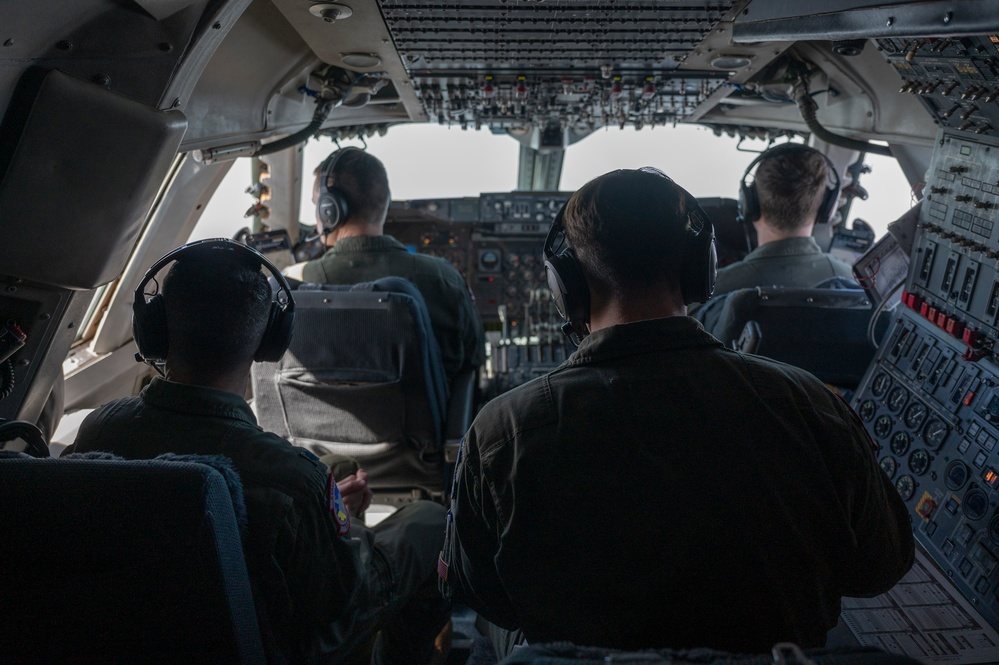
x=355, y=493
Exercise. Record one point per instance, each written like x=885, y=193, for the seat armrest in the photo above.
x=459, y=405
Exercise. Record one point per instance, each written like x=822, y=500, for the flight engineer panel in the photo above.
x=931, y=396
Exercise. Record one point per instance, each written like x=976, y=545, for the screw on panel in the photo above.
x=890, y=22
x=217, y=26
x=65, y=45
x=947, y=17
x=102, y=79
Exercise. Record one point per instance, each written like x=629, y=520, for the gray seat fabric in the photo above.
x=107, y=560
x=362, y=378
x=821, y=330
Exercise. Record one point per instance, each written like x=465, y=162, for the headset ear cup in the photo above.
x=149, y=327
x=749, y=202
x=277, y=335
x=569, y=289
x=829, y=200
x=700, y=266
x=331, y=210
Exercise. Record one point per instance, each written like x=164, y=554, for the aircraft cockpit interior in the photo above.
x=121, y=120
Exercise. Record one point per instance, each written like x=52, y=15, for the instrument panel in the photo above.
x=930, y=399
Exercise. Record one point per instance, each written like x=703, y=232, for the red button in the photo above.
x=941, y=320
x=970, y=337
x=955, y=328
x=924, y=309
x=931, y=314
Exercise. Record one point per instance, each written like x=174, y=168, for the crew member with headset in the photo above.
x=351, y=193
x=659, y=490
x=325, y=585
x=793, y=188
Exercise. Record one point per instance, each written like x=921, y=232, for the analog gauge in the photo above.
x=882, y=427
x=867, y=409
x=489, y=260
x=994, y=530
x=956, y=475
x=919, y=461
x=975, y=504
x=906, y=487
x=914, y=415
x=880, y=384
x=896, y=398
x=900, y=443
x=935, y=433
x=889, y=466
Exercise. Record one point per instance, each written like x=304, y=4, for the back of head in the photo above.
x=628, y=229
x=791, y=185
x=362, y=180
x=217, y=307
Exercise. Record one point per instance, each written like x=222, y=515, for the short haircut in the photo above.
x=628, y=230
x=362, y=178
x=217, y=308
x=790, y=187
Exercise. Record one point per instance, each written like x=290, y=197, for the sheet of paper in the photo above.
x=924, y=617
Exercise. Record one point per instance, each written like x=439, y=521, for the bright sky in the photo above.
x=431, y=161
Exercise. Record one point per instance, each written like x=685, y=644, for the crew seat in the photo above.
x=822, y=330
x=363, y=378
x=114, y=561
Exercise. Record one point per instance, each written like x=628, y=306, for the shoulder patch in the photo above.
x=337, y=508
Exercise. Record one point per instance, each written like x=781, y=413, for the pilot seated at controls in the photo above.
x=795, y=186
x=323, y=583
x=351, y=193
x=659, y=490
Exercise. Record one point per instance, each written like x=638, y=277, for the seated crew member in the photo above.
x=322, y=593
x=351, y=193
x=793, y=189
x=659, y=490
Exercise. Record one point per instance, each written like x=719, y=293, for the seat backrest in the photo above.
x=107, y=560
x=823, y=331
x=363, y=377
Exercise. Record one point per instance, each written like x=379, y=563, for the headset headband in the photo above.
x=218, y=245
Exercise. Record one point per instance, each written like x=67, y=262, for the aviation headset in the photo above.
x=149, y=320
x=698, y=267
x=749, y=195
x=331, y=208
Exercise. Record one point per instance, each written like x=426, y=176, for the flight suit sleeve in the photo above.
x=321, y=571
x=883, y=549
x=474, y=541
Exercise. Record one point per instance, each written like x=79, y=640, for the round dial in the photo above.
x=906, y=487
x=935, y=433
x=994, y=530
x=956, y=475
x=880, y=384
x=882, y=427
x=867, y=409
x=889, y=466
x=975, y=504
x=919, y=461
x=914, y=415
x=896, y=398
x=900, y=443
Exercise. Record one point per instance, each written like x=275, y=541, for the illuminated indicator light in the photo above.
x=991, y=477
x=926, y=506
x=450, y=241
x=969, y=397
